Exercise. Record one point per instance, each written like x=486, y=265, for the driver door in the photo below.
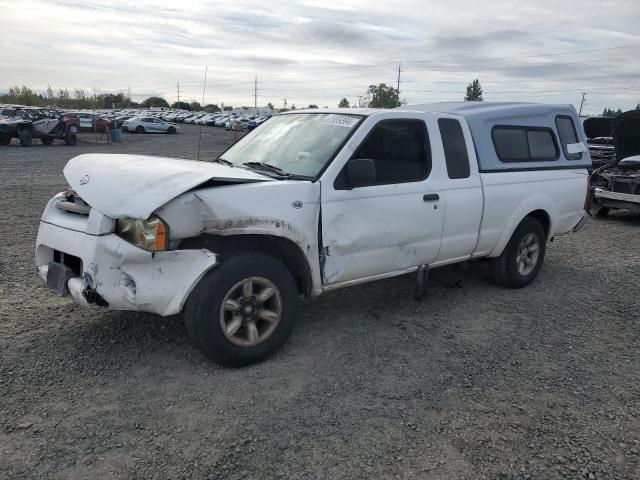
x=393, y=224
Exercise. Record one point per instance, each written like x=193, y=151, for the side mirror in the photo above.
x=361, y=172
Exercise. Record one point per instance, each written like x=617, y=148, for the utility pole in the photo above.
x=129, y=95
x=581, y=103
x=359, y=101
x=255, y=94
x=398, y=87
x=178, y=85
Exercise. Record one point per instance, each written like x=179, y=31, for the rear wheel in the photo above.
x=171, y=130
x=522, y=258
x=139, y=129
x=70, y=139
x=243, y=310
x=26, y=139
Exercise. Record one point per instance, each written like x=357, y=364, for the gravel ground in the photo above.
x=475, y=382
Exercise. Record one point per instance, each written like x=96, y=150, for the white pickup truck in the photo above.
x=309, y=202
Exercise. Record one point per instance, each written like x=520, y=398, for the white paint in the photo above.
x=135, y=185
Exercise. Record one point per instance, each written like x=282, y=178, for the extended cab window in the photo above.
x=455, y=148
x=524, y=144
x=568, y=135
x=399, y=149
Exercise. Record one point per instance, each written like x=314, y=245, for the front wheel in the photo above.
x=73, y=129
x=243, y=310
x=25, y=138
x=522, y=258
x=139, y=129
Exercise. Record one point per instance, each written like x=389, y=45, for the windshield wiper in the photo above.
x=268, y=167
x=223, y=161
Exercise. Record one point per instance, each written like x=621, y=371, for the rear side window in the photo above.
x=568, y=135
x=524, y=144
x=455, y=148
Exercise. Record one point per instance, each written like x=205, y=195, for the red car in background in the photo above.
x=86, y=122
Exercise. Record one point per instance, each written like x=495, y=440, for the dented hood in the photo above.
x=136, y=185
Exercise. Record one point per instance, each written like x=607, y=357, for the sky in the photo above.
x=317, y=51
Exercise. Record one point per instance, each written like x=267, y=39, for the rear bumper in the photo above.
x=112, y=271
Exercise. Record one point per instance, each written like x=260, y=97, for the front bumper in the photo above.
x=617, y=199
x=112, y=271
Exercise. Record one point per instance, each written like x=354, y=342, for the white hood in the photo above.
x=136, y=185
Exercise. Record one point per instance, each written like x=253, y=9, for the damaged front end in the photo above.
x=79, y=253
x=616, y=186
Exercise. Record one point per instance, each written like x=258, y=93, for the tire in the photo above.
x=5, y=139
x=26, y=140
x=506, y=270
x=47, y=140
x=596, y=210
x=70, y=139
x=171, y=130
x=204, y=312
x=139, y=129
x=73, y=129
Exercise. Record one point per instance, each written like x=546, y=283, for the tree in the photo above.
x=474, y=92
x=154, y=102
x=211, y=107
x=109, y=100
x=181, y=105
x=227, y=108
x=311, y=105
x=344, y=103
x=638, y=107
x=609, y=112
x=270, y=106
x=195, y=106
x=383, y=96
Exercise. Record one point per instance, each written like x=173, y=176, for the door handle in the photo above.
x=430, y=197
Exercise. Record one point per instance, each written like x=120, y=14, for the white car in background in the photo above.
x=149, y=125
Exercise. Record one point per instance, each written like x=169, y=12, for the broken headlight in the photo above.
x=150, y=234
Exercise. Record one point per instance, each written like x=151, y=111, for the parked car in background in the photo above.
x=25, y=124
x=149, y=125
x=312, y=202
x=615, y=184
x=86, y=122
x=615, y=187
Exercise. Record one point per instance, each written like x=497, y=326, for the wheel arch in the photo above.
x=538, y=207
x=281, y=248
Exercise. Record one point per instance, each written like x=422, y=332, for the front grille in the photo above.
x=74, y=204
x=71, y=261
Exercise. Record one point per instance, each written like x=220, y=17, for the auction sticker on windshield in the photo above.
x=340, y=121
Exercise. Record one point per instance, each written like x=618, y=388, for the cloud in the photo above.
x=316, y=51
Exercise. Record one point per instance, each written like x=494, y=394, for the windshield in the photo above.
x=297, y=144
